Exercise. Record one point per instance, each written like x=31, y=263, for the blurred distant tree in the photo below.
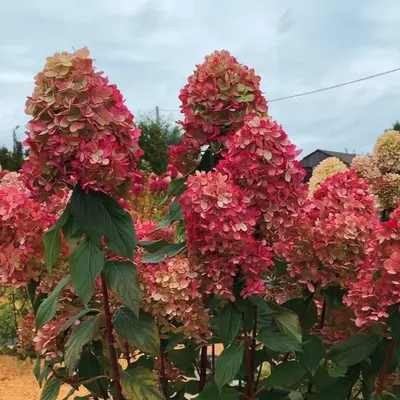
x=396, y=126
x=12, y=160
x=156, y=137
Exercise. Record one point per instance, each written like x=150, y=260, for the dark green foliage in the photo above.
x=155, y=139
x=12, y=160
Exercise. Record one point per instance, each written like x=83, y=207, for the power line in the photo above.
x=335, y=86
x=316, y=90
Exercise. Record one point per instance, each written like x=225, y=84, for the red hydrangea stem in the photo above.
x=203, y=367
x=163, y=378
x=213, y=358
x=110, y=338
x=380, y=384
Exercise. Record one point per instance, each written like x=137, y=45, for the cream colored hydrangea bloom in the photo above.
x=387, y=191
x=325, y=169
x=365, y=167
x=387, y=152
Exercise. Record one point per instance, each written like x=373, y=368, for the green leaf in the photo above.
x=160, y=255
x=354, y=350
x=394, y=323
x=306, y=310
x=228, y=323
x=52, y=247
x=87, y=262
x=339, y=388
x=207, y=161
x=211, y=392
x=173, y=341
x=72, y=232
x=98, y=214
x=48, y=307
x=281, y=266
x=69, y=394
x=228, y=364
x=51, y=389
x=44, y=374
x=184, y=358
x=36, y=367
x=153, y=245
x=288, y=322
x=140, y=384
x=284, y=375
x=119, y=233
x=31, y=289
x=175, y=213
x=123, y=279
x=72, y=320
x=264, y=305
x=89, y=367
x=81, y=335
x=141, y=332
x=313, y=352
x=177, y=187
x=333, y=296
x=279, y=342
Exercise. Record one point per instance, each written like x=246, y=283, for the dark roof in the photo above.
x=345, y=157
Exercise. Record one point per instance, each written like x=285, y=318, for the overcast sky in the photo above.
x=149, y=47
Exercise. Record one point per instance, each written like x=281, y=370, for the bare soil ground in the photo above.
x=18, y=383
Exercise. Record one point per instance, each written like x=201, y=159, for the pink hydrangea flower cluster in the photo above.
x=144, y=231
x=378, y=286
x=184, y=156
x=81, y=131
x=11, y=179
x=160, y=183
x=46, y=338
x=23, y=222
x=218, y=96
x=221, y=225
x=329, y=242
x=172, y=295
x=261, y=159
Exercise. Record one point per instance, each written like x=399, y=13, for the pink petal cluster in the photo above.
x=46, y=338
x=329, y=242
x=184, y=156
x=378, y=286
x=144, y=231
x=81, y=131
x=23, y=223
x=220, y=225
x=261, y=159
x=172, y=295
x=218, y=96
x=11, y=179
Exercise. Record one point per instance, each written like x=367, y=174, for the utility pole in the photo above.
x=158, y=114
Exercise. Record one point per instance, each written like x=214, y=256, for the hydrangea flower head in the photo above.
x=81, y=132
x=325, y=169
x=261, y=159
x=218, y=96
x=365, y=167
x=387, y=152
